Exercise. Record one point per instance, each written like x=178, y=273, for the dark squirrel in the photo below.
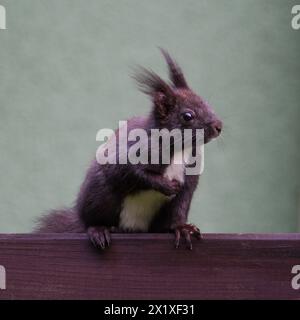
x=142, y=197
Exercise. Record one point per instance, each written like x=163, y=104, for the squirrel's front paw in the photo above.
x=99, y=236
x=186, y=231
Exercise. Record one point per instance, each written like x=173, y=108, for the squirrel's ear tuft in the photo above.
x=175, y=72
x=150, y=83
x=160, y=91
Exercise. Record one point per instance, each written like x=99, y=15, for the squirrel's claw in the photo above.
x=186, y=231
x=99, y=236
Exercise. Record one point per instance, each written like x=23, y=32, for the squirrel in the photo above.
x=142, y=197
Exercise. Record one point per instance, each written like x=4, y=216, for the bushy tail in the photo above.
x=59, y=221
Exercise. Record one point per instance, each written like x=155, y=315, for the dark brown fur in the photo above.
x=105, y=187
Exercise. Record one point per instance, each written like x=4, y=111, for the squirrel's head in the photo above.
x=175, y=105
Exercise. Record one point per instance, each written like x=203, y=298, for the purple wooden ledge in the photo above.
x=146, y=266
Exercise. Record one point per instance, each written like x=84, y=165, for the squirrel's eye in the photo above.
x=187, y=116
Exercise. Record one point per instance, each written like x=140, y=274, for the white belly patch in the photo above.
x=139, y=209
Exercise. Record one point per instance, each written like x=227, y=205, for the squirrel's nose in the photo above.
x=216, y=127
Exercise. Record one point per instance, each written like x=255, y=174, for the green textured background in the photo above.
x=64, y=68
